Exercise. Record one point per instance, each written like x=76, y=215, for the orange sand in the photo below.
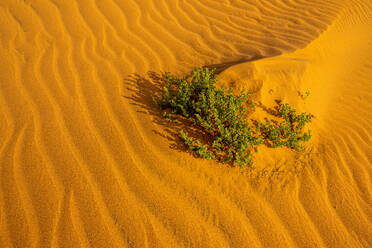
x=87, y=162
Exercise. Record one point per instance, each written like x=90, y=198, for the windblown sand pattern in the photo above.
x=87, y=162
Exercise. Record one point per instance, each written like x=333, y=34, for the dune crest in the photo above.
x=86, y=160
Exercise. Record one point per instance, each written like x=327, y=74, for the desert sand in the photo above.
x=86, y=160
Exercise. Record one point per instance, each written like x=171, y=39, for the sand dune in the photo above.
x=86, y=161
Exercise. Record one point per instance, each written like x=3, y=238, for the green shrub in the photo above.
x=222, y=116
x=289, y=132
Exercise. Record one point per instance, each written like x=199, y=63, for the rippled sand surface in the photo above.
x=86, y=160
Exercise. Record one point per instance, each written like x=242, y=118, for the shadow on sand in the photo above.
x=141, y=90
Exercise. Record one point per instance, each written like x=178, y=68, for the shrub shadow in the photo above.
x=271, y=111
x=140, y=91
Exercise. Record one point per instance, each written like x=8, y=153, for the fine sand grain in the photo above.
x=87, y=161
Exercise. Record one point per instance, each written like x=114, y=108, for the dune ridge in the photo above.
x=86, y=161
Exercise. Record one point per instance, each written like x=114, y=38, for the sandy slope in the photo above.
x=86, y=160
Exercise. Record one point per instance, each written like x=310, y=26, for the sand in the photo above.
x=86, y=160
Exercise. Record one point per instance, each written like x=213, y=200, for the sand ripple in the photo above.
x=87, y=162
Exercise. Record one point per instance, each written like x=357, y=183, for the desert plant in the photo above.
x=222, y=115
x=289, y=132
